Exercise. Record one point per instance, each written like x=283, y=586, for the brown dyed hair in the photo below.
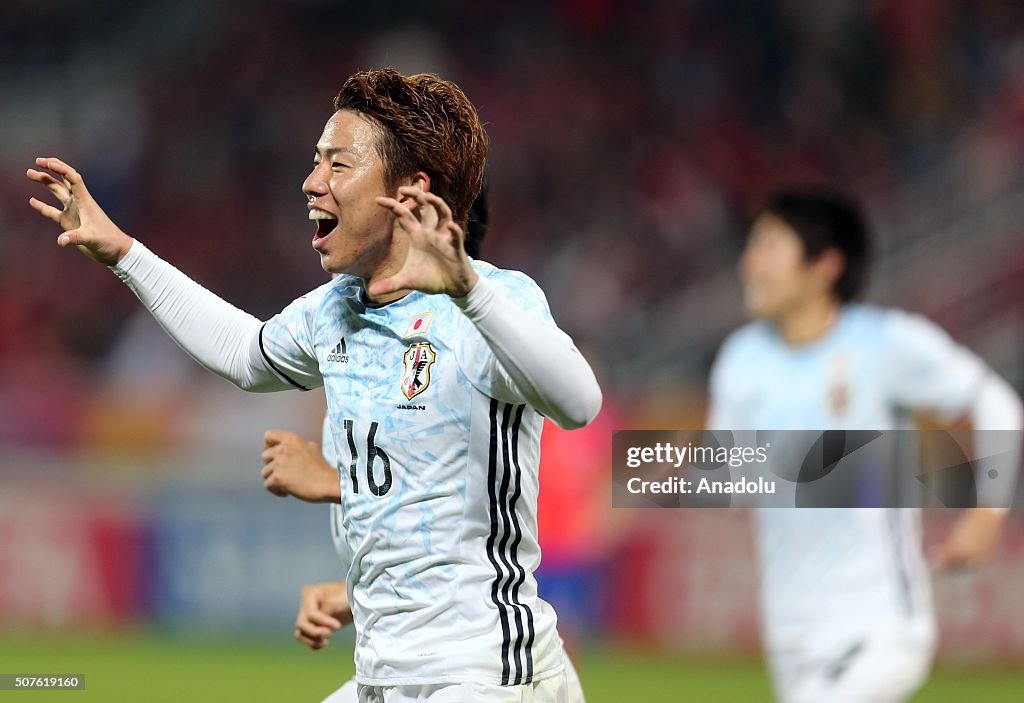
x=425, y=124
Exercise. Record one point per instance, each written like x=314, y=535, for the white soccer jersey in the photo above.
x=841, y=569
x=438, y=457
x=338, y=534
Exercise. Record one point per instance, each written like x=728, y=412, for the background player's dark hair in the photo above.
x=476, y=228
x=827, y=219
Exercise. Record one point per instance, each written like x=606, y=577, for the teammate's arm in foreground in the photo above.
x=296, y=467
x=323, y=610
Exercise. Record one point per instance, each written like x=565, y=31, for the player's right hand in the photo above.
x=81, y=220
x=323, y=610
x=972, y=540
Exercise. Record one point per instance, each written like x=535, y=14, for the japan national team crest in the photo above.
x=416, y=376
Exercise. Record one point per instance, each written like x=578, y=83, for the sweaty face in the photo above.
x=776, y=278
x=353, y=232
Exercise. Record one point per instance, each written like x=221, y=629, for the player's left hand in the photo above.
x=296, y=467
x=436, y=261
x=972, y=541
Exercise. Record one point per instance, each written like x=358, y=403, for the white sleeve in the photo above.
x=222, y=338
x=524, y=356
x=998, y=418
x=928, y=370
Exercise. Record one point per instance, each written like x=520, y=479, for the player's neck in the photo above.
x=391, y=265
x=809, y=322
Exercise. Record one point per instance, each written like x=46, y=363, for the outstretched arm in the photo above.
x=538, y=360
x=222, y=338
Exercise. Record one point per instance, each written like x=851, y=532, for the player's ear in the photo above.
x=420, y=180
x=830, y=266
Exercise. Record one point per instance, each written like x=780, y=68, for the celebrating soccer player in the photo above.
x=438, y=371
x=299, y=468
x=846, y=601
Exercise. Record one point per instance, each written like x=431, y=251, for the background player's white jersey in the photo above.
x=438, y=458
x=841, y=569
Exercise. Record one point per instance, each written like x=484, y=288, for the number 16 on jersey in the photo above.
x=373, y=453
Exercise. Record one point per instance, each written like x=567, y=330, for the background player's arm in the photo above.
x=975, y=535
x=222, y=338
x=931, y=372
x=295, y=467
x=323, y=610
x=542, y=366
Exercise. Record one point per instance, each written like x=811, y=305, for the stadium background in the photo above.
x=629, y=143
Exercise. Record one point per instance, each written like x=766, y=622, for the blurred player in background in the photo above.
x=438, y=372
x=845, y=593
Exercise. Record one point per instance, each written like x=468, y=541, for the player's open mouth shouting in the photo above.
x=326, y=223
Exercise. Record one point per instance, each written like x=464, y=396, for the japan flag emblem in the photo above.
x=417, y=361
x=418, y=325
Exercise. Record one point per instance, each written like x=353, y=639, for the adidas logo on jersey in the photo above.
x=339, y=355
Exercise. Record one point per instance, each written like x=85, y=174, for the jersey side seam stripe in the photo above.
x=521, y=579
x=492, y=464
x=503, y=545
x=273, y=366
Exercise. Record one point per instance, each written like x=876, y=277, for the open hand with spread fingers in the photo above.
x=81, y=220
x=436, y=261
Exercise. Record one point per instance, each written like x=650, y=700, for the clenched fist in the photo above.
x=323, y=610
x=295, y=467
